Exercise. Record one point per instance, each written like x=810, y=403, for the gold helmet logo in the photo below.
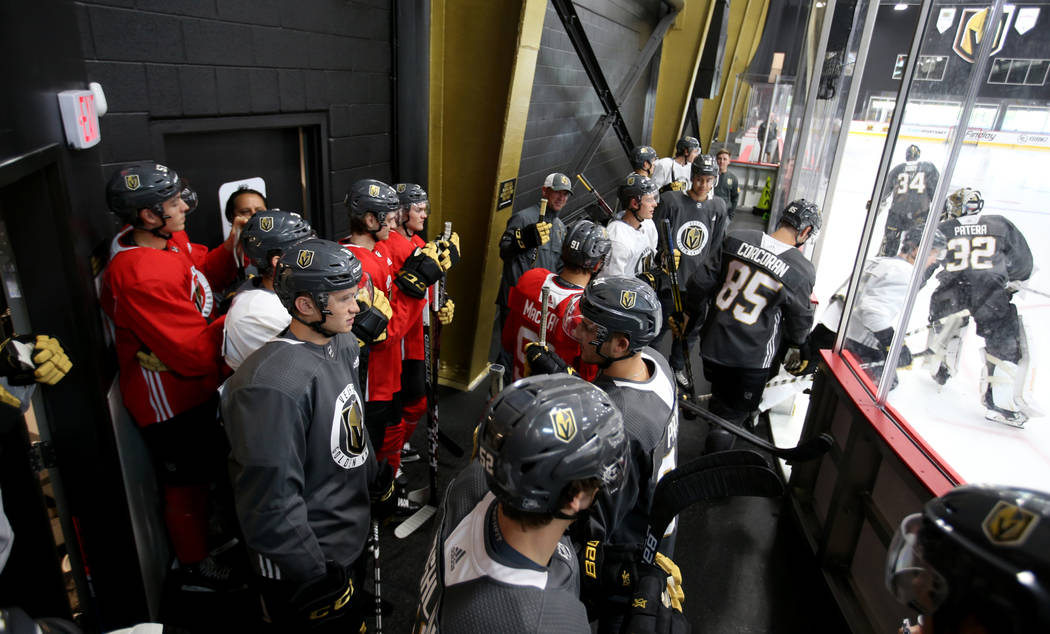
x=1008, y=524
x=373, y=190
x=266, y=223
x=631, y=179
x=627, y=299
x=564, y=423
x=131, y=181
x=305, y=259
x=400, y=188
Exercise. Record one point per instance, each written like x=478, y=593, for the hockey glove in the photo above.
x=445, y=313
x=541, y=359
x=443, y=256
x=674, y=580
x=1015, y=286
x=420, y=270
x=608, y=569
x=533, y=235
x=325, y=600
x=7, y=398
x=651, y=610
x=797, y=361
x=678, y=325
x=370, y=324
x=28, y=359
x=452, y=246
x=885, y=338
x=150, y=361
x=383, y=494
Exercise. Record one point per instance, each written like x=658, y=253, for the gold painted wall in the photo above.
x=679, y=60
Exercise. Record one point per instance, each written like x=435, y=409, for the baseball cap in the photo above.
x=558, y=182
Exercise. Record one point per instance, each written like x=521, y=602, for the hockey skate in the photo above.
x=408, y=454
x=998, y=382
x=1013, y=419
x=207, y=575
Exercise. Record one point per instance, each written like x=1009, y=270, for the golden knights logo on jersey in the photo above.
x=305, y=259
x=349, y=445
x=692, y=237
x=1009, y=525
x=266, y=223
x=564, y=423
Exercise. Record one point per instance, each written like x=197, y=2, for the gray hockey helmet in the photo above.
x=586, y=245
x=269, y=233
x=624, y=305
x=977, y=552
x=315, y=267
x=635, y=186
x=544, y=432
x=372, y=196
x=410, y=193
x=145, y=185
x=800, y=214
x=686, y=145
x=640, y=154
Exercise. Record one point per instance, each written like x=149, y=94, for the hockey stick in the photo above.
x=545, y=295
x=495, y=379
x=808, y=450
x=432, y=354
x=375, y=564
x=543, y=216
x=601, y=201
x=679, y=312
x=739, y=472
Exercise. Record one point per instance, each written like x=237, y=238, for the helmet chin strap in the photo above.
x=316, y=326
x=607, y=360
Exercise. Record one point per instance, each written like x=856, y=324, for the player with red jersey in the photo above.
x=583, y=253
x=157, y=289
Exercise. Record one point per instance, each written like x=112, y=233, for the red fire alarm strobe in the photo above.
x=79, y=118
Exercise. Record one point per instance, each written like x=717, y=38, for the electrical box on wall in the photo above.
x=79, y=118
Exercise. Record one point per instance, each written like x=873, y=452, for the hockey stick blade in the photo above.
x=808, y=450
x=419, y=496
x=701, y=480
x=419, y=518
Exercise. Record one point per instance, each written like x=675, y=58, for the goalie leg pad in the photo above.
x=998, y=384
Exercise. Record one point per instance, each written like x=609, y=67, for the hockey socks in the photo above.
x=186, y=515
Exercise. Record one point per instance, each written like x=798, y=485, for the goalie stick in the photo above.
x=808, y=450
x=737, y=472
x=432, y=354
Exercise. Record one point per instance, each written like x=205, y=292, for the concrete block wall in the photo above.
x=164, y=60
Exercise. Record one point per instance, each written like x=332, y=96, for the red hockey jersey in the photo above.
x=401, y=249
x=523, y=320
x=159, y=300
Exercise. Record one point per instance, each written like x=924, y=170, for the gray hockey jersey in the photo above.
x=698, y=228
x=471, y=583
x=984, y=249
x=758, y=294
x=300, y=459
x=516, y=262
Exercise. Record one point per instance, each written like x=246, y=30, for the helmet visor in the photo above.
x=909, y=577
x=365, y=292
x=189, y=196
x=579, y=328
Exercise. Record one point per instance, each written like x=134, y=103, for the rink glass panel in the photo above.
x=1005, y=155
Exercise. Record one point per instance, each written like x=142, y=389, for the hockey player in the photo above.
x=373, y=208
x=157, y=291
x=975, y=560
x=881, y=295
x=500, y=560
x=673, y=173
x=643, y=160
x=911, y=186
x=987, y=259
x=756, y=297
x=301, y=462
x=633, y=236
x=698, y=225
x=583, y=254
x=728, y=188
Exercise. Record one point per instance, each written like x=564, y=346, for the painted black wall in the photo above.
x=564, y=106
x=162, y=60
x=893, y=34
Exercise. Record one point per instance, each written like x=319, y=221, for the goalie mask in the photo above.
x=962, y=202
x=544, y=432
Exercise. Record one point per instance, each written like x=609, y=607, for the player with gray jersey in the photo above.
x=911, y=185
x=500, y=559
x=756, y=297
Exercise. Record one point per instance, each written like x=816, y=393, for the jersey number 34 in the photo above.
x=742, y=284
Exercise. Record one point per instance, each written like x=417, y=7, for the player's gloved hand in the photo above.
x=370, y=324
x=420, y=270
x=150, y=361
x=541, y=359
x=905, y=359
x=797, y=361
x=608, y=569
x=383, y=494
x=1015, y=286
x=445, y=313
x=7, y=398
x=444, y=257
x=33, y=359
x=452, y=246
x=677, y=259
x=677, y=324
x=651, y=608
x=674, y=580
x=326, y=599
x=51, y=360
x=533, y=235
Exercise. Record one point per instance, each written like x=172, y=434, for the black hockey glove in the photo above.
x=33, y=359
x=383, y=494
x=541, y=359
x=532, y=236
x=798, y=360
x=420, y=271
x=885, y=338
x=370, y=324
x=652, y=609
x=452, y=246
x=325, y=600
x=608, y=570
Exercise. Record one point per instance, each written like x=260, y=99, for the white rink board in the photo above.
x=1014, y=182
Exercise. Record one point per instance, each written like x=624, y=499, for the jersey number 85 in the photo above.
x=741, y=279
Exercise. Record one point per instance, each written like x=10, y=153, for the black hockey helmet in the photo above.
x=315, y=267
x=586, y=245
x=372, y=196
x=410, y=193
x=705, y=165
x=800, y=214
x=912, y=153
x=269, y=233
x=145, y=185
x=624, y=305
x=640, y=154
x=962, y=202
x=913, y=238
x=546, y=431
x=686, y=145
x=979, y=551
x=635, y=186
x=231, y=202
